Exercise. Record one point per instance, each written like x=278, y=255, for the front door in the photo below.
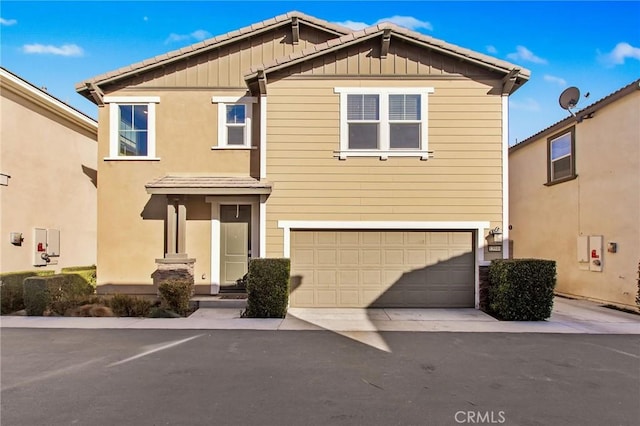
x=235, y=243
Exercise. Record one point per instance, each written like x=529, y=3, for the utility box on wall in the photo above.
x=46, y=246
x=595, y=253
x=40, y=247
x=590, y=253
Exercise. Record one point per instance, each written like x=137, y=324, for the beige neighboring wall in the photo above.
x=49, y=151
x=603, y=200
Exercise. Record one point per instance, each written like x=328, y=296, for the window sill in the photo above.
x=131, y=159
x=241, y=148
x=566, y=179
x=384, y=155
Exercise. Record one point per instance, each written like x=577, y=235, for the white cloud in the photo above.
x=8, y=22
x=353, y=25
x=527, y=104
x=524, y=54
x=553, y=79
x=197, y=35
x=64, y=50
x=492, y=49
x=619, y=53
x=408, y=22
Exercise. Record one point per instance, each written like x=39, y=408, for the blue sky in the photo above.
x=592, y=45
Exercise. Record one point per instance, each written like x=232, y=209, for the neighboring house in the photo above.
x=375, y=159
x=47, y=180
x=575, y=198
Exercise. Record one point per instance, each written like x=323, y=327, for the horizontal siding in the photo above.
x=462, y=182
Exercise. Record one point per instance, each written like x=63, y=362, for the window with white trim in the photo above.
x=560, y=157
x=234, y=121
x=132, y=122
x=383, y=122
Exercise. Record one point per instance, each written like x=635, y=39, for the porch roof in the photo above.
x=208, y=185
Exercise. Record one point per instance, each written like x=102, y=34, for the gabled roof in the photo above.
x=210, y=44
x=12, y=82
x=586, y=112
x=389, y=29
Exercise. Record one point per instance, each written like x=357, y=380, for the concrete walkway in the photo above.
x=569, y=316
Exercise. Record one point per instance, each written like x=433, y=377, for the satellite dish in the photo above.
x=569, y=99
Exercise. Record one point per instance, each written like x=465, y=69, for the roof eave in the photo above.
x=503, y=67
x=579, y=116
x=210, y=44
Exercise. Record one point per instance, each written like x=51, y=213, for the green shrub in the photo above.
x=268, y=288
x=11, y=293
x=522, y=289
x=87, y=272
x=130, y=306
x=41, y=292
x=68, y=286
x=64, y=306
x=175, y=295
x=36, y=295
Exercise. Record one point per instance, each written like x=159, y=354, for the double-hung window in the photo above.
x=132, y=122
x=234, y=121
x=561, y=157
x=383, y=122
x=363, y=118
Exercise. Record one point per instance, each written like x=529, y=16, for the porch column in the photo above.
x=172, y=229
x=176, y=227
x=182, y=228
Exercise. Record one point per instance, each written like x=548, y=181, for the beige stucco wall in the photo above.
x=603, y=200
x=462, y=182
x=131, y=227
x=52, y=164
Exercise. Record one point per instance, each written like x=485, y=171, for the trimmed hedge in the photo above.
x=175, y=295
x=268, y=288
x=40, y=292
x=87, y=272
x=522, y=289
x=11, y=294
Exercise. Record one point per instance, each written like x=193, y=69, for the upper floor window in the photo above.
x=383, y=122
x=561, y=157
x=132, y=127
x=234, y=121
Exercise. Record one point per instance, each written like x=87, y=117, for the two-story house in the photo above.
x=376, y=160
x=575, y=198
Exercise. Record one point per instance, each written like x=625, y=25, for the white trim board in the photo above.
x=505, y=176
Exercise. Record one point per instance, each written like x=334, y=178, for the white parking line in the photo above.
x=158, y=349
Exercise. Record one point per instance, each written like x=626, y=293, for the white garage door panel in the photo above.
x=382, y=268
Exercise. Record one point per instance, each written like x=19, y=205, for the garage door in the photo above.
x=413, y=269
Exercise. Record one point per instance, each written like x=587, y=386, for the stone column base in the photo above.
x=174, y=268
